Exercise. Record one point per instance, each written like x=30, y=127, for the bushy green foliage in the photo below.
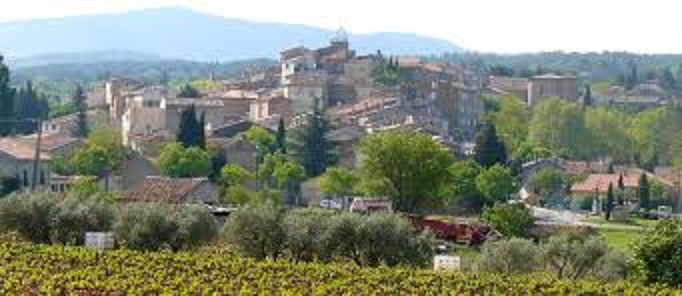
x=9, y=185
x=338, y=181
x=548, y=182
x=573, y=257
x=257, y=231
x=489, y=150
x=152, y=226
x=45, y=218
x=305, y=231
x=461, y=185
x=411, y=166
x=307, y=235
x=29, y=215
x=179, y=162
x=310, y=145
x=658, y=255
x=75, y=217
x=511, y=220
x=509, y=256
x=497, y=184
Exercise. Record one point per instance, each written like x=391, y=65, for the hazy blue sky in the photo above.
x=485, y=25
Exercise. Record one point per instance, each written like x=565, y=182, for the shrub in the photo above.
x=510, y=256
x=514, y=255
x=573, y=257
x=392, y=240
x=153, y=226
x=513, y=220
x=305, y=231
x=196, y=226
x=30, y=215
x=145, y=227
x=658, y=256
x=74, y=218
x=342, y=236
x=257, y=231
x=614, y=266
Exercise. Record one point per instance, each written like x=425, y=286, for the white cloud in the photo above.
x=487, y=25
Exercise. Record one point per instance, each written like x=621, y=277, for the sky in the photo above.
x=502, y=26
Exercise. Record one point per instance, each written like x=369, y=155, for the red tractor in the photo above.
x=461, y=233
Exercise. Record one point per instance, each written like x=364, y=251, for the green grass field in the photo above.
x=621, y=240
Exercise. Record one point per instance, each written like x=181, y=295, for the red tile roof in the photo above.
x=600, y=183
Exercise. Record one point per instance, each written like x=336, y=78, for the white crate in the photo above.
x=99, y=240
x=446, y=262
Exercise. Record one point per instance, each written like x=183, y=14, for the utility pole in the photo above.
x=36, y=156
x=36, y=159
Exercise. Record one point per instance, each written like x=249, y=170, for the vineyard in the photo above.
x=37, y=269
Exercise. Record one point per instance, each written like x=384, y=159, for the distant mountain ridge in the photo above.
x=178, y=33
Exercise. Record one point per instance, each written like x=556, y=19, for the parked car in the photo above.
x=331, y=204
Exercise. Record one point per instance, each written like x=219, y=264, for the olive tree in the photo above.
x=257, y=231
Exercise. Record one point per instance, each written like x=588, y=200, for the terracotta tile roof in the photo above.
x=163, y=189
x=600, y=183
x=24, y=147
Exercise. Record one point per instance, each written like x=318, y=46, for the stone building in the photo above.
x=551, y=85
x=17, y=157
x=333, y=74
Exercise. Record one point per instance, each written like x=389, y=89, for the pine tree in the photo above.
x=310, y=145
x=644, y=192
x=7, y=93
x=587, y=96
x=621, y=190
x=489, y=150
x=201, y=131
x=188, y=91
x=30, y=105
x=81, y=128
x=608, y=206
x=281, y=137
x=191, y=129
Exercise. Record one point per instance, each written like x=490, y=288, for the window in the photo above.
x=42, y=177
x=25, y=178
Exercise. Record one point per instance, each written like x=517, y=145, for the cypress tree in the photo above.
x=81, y=128
x=7, y=93
x=191, y=129
x=644, y=192
x=621, y=190
x=489, y=150
x=281, y=137
x=201, y=131
x=30, y=105
x=311, y=147
x=608, y=206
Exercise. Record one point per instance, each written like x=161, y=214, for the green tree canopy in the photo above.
x=188, y=91
x=511, y=220
x=461, y=185
x=549, y=181
x=179, y=162
x=191, y=130
x=411, y=165
x=7, y=93
x=497, y=184
x=489, y=149
x=511, y=122
x=338, y=181
x=310, y=145
x=560, y=127
x=81, y=128
x=610, y=133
